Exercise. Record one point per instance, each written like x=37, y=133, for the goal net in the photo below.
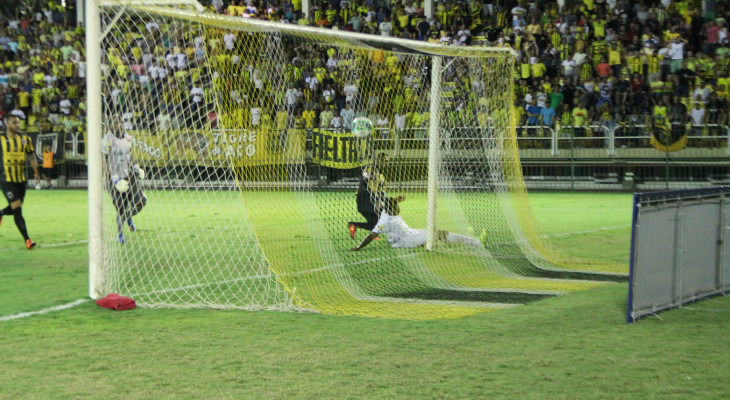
x=252, y=174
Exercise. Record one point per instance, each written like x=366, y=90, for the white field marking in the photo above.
x=271, y=275
x=607, y=228
x=43, y=311
x=720, y=310
x=563, y=234
x=48, y=245
x=325, y=268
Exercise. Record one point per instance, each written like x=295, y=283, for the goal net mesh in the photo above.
x=242, y=128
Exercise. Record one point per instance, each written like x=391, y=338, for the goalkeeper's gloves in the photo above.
x=122, y=185
x=140, y=172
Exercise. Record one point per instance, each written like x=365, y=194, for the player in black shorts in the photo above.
x=370, y=192
x=15, y=149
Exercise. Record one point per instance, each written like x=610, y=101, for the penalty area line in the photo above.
x=48, y=245
x=43, y=311
x=605, y=228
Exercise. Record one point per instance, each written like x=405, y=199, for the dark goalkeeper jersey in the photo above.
x=12, y=157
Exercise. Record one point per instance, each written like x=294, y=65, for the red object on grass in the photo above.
x=116, y=302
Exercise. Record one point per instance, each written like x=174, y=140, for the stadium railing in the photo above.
x=613, y=158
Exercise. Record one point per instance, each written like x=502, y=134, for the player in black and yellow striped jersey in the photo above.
x=15, y=149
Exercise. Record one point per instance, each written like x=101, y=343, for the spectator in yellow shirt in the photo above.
x=580, y=119
x=24, y=99
x=538, y=69
x=614, y=58
x=309, y=116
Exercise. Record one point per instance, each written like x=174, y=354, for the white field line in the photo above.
x=172, y=290
x=607, y=228
x=328, y=267
x=270, y=275
x=62, y=244
x=43, y=311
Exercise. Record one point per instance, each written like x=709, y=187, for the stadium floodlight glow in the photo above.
x=250, y=191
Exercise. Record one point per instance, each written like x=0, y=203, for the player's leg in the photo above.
x=120, y=226
x=366, y=208
x=413, y=238
x=120, y=204
x=137, y=201
x=47, y=174
x=131, y=209
x=5, y=211
x=5, y=187
x=372, y=220
x=462, y=239
x=15, y=193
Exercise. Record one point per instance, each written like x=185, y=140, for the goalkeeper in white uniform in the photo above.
x=400, y=235
x=127, y=195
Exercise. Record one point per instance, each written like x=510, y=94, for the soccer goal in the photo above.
x=251, y=171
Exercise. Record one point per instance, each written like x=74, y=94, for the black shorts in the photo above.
x=364, y=203
x=47, y=172
x=130, y=202
x=13, y=191
x=367, y=209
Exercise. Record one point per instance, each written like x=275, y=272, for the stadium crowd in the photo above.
x=42, y=67
x=581, y=63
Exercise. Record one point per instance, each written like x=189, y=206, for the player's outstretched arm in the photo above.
x=369, y=238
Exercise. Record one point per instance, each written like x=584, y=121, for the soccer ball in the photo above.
x=361, y=127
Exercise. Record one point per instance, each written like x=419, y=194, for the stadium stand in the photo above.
x=586, y=67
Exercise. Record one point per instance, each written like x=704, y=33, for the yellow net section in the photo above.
x=254, y=176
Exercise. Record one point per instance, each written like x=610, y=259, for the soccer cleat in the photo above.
x=352, y=229
x=29, y=244
x=121, y=239
x=132, y=228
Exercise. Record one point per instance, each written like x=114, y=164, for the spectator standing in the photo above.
x=684, y=77
x=579, y=119
x=676, y=54
x=348, y=115
x=386, y=28
x=698, y=119
x=47, y=166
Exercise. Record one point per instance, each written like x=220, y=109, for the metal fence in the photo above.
x=625, y=157
x=593, y=157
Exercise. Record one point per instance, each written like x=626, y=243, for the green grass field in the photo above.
x=575, y=346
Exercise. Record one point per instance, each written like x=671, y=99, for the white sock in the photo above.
x=456, y=238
